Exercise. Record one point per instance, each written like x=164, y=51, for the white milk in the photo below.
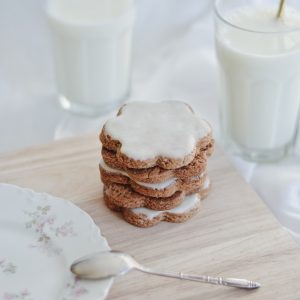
x=92, y=47
x=260, y=78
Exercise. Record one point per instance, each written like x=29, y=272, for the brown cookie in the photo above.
x=157, y=174
x=166, y=134
x=143, y=217
x=140, y=219
x=163, y=189
x=124, y=196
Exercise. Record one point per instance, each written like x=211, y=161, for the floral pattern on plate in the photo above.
x=6, y=267
x=74, y=290
x=43, y=222
x=23, y=295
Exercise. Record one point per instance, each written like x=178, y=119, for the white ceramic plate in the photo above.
x=40, y=236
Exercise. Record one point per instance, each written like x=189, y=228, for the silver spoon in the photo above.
x=104, y=265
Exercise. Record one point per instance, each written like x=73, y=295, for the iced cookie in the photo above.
x=156, y=174
x=144, y=217
x=167, y=134
x=164, y=188
x=124, y=196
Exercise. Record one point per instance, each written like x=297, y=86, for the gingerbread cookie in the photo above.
x=156, y=174
x=166, y=134
x=162, y=189
x=144, y=217
x=124, y=196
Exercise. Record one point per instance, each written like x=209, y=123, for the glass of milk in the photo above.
x=92, y=51
x=259, y=58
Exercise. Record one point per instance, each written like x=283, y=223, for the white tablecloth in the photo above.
x=173, y=59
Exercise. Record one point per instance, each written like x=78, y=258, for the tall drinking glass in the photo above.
x=92, y=52
x=259, y=59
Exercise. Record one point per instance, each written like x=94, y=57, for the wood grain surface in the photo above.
x=234, y=234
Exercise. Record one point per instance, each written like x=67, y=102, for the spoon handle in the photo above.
x=232, y=282
x=280, y=8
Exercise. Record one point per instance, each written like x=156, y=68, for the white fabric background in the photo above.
x=173, y=58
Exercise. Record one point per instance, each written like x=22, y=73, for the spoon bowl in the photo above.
x=103, y=265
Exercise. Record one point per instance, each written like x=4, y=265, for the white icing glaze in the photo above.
x=148, y=130
x=158, y=186
x=206, y=183
x=110, y=169
x=188, y=204
x=198, y=176
x=167, y=183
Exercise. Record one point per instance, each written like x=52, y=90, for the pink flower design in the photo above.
x=43, y=223
x=7, y=267
x=65, y=230
x=74, y=290
x=23, y=295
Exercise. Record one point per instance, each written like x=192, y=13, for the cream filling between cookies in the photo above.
x=110, y=169
x=189, y=202
x=158, y=186
x=206, y=183
x=154, y=186
x=165, y=184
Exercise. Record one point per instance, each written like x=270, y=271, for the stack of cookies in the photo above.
x=154, y=162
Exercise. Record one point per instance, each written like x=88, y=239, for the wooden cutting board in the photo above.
x=234, y=234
